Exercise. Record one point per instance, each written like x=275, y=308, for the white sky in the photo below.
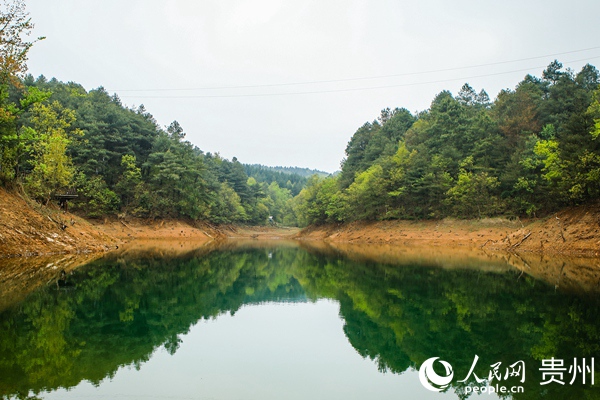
x=127, y=45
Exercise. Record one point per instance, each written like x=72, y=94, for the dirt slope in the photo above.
x=573, y=231
x=128, y=229
x=27, y=228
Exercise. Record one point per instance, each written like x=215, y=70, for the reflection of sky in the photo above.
x=269, y=351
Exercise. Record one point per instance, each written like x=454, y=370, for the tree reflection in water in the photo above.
x=125, y=307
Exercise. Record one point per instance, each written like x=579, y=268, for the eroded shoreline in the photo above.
x=574, y=232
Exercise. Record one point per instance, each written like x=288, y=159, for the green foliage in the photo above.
x=367, y=195
x=472, y=194
x=373, y=141
x=126, y=163
x=304, y=172
x=548, y=151
x=51, y=167
x=292, y=181
x=594, y=112
x=530, y=152
x=279, y=203
x=98, y=200
x=228, y=207
x=129, y=185
x=56, y=135
x=319, y=202
x=17, y=137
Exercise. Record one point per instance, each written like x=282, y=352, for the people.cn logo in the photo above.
x=431, y=380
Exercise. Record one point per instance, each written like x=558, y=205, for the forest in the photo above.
x=121, y=161
x=58, y=138
x=529, y=152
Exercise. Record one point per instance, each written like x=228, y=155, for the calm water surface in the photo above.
x=283, y=322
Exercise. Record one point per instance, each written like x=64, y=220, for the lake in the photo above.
x=281, y=320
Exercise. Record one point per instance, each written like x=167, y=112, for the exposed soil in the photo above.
x=30, y=229
x=574, y=231
x=128, y=229
x=27, y=229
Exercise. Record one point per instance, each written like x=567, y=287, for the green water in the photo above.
x=281, y=322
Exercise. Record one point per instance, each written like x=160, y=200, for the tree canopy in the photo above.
x=531, y=151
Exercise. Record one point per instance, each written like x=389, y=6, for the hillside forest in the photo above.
x=532, y=150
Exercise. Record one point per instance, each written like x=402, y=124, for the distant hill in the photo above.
x=306, y=172
x=292, y=178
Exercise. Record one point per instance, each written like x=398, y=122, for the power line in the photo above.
x=355, y=78
x=343, y=90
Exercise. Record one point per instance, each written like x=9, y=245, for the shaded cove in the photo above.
x=122, y=309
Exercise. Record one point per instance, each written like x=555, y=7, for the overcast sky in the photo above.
x=288, y=82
